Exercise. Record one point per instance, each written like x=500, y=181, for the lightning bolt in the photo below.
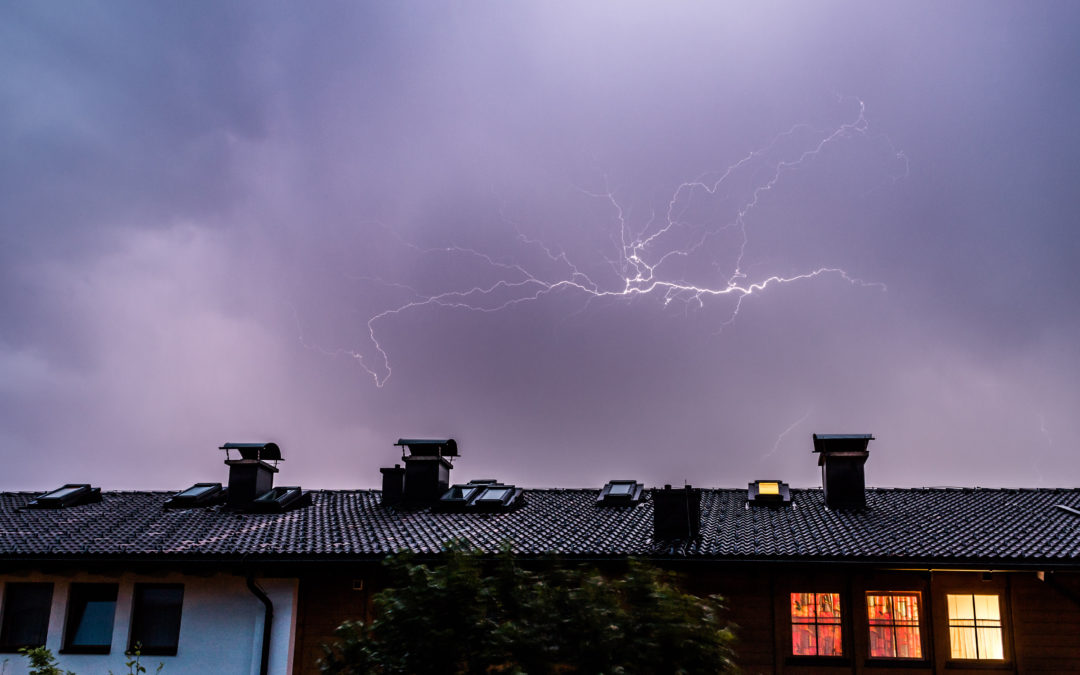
x=656, y=259
x=785, y=432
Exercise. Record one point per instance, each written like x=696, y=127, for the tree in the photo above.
x=468, y=615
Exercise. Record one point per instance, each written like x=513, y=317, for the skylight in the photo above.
x=768, y=493
x=199, y=494
x=72, y=494
x=620, y=493
x=281, y=499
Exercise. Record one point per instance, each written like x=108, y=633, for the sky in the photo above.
x=589, y=241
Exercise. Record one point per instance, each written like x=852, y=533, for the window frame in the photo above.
x=1000, y=627
x=139, y=609
x=819, y=658
x=79, y=596
x=7, y=645
x=920, y=625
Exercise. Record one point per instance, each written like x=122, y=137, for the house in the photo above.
x=251, y=578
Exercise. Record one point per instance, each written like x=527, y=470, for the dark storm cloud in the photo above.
x=203, y=206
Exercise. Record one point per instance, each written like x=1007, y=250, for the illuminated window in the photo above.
x=894, y=625
x=768, y=488
x=975, y=627
x=815, y=624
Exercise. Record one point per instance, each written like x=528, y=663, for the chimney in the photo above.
x=251, y=475
x=427, y=468
x=676, y=513
x=841, y=460
x=393, y=485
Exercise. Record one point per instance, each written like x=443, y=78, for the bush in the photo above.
x=458, y=617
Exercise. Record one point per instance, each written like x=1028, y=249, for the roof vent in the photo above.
x=199, y=494
x=768, y=493
x=676, y=513
x=841, y=460
x=251, y=475
x=72, y=494
x=427, y=468
x=620, y=493
x=281, y=499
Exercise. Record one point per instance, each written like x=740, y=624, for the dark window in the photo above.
x=91, y=609
x=26, y=615
x=155, y=620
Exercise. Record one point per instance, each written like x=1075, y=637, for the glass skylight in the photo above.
x=496, y=494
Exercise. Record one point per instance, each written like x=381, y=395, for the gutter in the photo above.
x=268, y=621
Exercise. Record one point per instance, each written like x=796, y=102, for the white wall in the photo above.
x=220, y=625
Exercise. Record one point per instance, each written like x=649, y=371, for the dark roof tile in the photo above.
x=937, y=524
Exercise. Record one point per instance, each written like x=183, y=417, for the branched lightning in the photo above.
x=785, y=432
x=644, y=261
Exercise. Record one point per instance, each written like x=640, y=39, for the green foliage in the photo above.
x=462, y=616
x=133, y=663
x=42, y=661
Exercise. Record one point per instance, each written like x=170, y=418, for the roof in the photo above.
x=901, y=526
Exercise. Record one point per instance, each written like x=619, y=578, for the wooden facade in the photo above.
x=1040, y=622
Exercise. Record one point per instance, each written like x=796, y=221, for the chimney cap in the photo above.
x=259, y=451
x=433, y=447
x=829, y=443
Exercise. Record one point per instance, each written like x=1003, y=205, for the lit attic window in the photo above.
x=768, y=493
x=620, y=493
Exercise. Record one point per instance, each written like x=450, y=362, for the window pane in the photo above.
x=879, y=609
x=495, y=493
x=829, y=641
x=803, y=640
x=962, y=643
x=987, y=607
x=620, y=488
x=908, y=642
x=802, y=607
x=989, y=640
x=960, y=607
x=828, y=607
x=155, y=621
x=906, y=607
x=91, y=608
x=881, y=642
x=26, y=615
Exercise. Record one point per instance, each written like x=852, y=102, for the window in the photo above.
x=894, y=625
x=815, y=624
x=89, y=627
x=975, y=627
x=26, y=615
x=155, y=619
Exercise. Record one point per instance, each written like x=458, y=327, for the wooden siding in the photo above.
x=1041, y=618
